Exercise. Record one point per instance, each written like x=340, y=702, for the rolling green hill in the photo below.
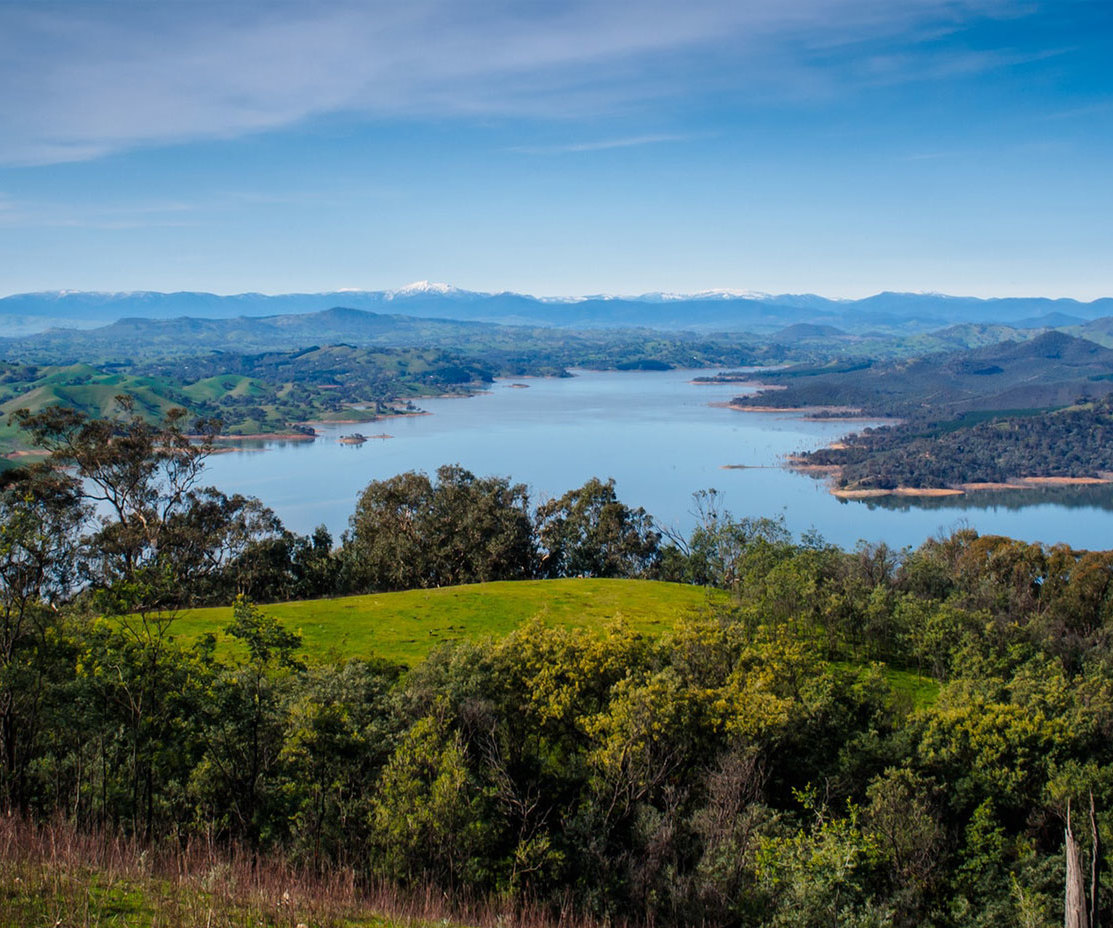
x=406, y=626
x=266, y=393
x=213, y=389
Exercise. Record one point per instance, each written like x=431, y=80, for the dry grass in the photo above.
x=57, y=876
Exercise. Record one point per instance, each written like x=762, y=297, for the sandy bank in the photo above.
x=898, y=491
x=1016, y=483
x=830, y=412
x=757, y=385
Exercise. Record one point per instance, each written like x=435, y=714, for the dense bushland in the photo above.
x=749, y=767
x=1074, y=442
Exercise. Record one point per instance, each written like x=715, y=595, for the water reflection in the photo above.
x=1080, y=497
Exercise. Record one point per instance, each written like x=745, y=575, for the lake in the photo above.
x=660, y=437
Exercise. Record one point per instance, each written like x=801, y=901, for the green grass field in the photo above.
x=404, y=627
x=918, y=690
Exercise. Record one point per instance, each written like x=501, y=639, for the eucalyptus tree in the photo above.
x=154, y=539
x=410, y=531
x=40, y=518
x=589, y=532
x=156, y=536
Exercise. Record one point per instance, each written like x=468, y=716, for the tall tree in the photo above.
x=588, y=532
x=40, y=518
x=157, y=534
x=155, y=538
x=412, y=532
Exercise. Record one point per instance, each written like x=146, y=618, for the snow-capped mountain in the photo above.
x=706, y=310
x=428, y=288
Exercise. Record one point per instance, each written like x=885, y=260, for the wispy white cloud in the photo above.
x=601, y=144
x=113, y=214
x=81, y=79
x=1100, y=108
x=931, y=156
x=29, y=214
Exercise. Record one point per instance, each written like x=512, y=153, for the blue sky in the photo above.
x=833, y=146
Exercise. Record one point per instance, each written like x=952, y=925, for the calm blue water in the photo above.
x=660, y=438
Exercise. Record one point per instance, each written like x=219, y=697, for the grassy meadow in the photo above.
x=406, y=626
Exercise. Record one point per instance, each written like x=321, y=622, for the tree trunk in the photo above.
x=1095, y=868
x=1075, y=913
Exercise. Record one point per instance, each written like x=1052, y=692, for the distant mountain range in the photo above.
x=708, y=311
x=189, y=335
x=530, y=349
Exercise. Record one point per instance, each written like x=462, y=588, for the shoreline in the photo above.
x=757, y=385
x=799, y=463
x=262, y=436
x=813, y=413
x=961, y=489
x=374, y=418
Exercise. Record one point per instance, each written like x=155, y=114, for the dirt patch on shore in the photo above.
x=842, y=493
x=834, y=411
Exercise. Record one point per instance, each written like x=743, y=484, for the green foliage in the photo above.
x=1070, y=443
x=431, y=819
x=723, y=551
x=244, y=729
x=774, y=758
x=588, y=532
x=822, y=875
x=153, y=530
x=265, y=639
x=409, y=532
x=339, y=734
x=40, y=517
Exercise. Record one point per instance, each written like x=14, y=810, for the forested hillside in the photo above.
x=1051, y=370
x=277, y=392
x=141, y=339
x=1036, y=408
x=760, y=762
x=1069, y=443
